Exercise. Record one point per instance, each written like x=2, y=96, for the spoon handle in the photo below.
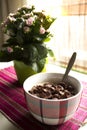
x=69, y=66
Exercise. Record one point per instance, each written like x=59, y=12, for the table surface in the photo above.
x=5, y=124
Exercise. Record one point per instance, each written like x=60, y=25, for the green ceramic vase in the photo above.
x=23, y=71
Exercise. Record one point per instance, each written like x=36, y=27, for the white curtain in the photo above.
x=71, y=33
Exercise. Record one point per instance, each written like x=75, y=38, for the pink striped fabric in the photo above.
x=13, y=105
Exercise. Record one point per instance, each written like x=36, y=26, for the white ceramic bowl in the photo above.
x=51, y=111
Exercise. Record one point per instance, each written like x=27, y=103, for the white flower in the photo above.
x=12, y=19
x=11, y=14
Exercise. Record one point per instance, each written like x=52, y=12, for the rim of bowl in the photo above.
x=80, y=91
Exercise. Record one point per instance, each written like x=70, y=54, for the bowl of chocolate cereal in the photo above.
x=50, y=100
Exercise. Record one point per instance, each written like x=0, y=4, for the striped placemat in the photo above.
x=13, y=105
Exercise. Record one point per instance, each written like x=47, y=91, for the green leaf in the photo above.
x=42, y=51
x=50, y=52
x=12, y=41
x=47, y=39
x=38, y=66
x=41, y=64
x=30, y=54
x=48, y=21
x=19, y=37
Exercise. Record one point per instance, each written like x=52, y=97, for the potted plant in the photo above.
x=28, y=33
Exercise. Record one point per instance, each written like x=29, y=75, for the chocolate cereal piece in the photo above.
x=53, y=91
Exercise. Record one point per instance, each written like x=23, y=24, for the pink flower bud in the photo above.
x=42, y=30
x=9, y=49
x=30, y=21
x=26, y=29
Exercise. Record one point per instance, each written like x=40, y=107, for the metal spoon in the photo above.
x=69, y=66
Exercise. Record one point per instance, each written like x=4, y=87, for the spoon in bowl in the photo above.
x=69, y=66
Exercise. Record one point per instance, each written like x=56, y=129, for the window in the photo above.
x=72, y=34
